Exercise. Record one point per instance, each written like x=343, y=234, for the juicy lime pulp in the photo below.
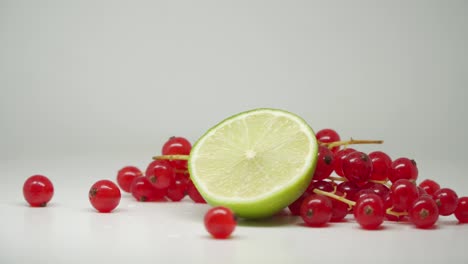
x=256, y=162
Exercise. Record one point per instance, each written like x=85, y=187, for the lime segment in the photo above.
x=256, y=162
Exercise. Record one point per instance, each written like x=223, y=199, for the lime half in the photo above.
x=256, y=162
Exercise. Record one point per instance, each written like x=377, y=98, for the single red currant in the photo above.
x=404, y=193
x=143, y=191
x=339, y=209
x=316, y=210
x=363, y=193
x=378, y=188
x=126, y=175
x=328, y=135
x=38, y=190
x=424, y=212
x=403, y=168
x=338, y=160
x=183, y=177
x=177, y=190
x=324, y=164
x=325, y=186
x=295, y=207
x=381, y=163
x=369, y=211
x=177, y=146
x=447, y=200
x=220, y=222
x=357, y=167
x=429, y=186
x=104, y=196
x=150, y=168
x=461, y=213
x=194, y=194
x=349, y=189
x=161, y=174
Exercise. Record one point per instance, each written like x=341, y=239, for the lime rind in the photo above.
x=221, y=159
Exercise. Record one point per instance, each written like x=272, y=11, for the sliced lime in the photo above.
x=256, y=162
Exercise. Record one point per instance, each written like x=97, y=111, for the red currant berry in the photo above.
x=316, y=210
x=177, y=146
x=194, y=194
x=388, y=202
x=104, y=196
x=381, y=163
x=363, y=193
x=161, y=174
x=143, y=191
x=125, y=177
x=378, y=188
x=424, y=212
x=404, y=193
x=403, y=168
x=325, y=186
x=338, y=160
x=429, y=186
x=447, y=200
x=177, y=190
x=183, y=177
x=357, y=167
x=220, y=222
x=461, y=213
x=328, y=135
x=339, y=209
x=369, y=211
x=349, y=189
x=295, y=207
x=324, y=164
x=38, y=190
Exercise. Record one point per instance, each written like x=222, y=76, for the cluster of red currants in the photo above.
x=373, y=188
x=163, y=180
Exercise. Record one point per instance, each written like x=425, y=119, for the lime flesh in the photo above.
x=256, y=162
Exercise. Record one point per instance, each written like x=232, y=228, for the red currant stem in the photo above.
x=397, y=214
x=171, y=157
x=336, y=178
x=351, y=142
x=334, y=196
x=181, y=171
x=386, y=183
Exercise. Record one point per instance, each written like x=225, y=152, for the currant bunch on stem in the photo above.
x=373, y=188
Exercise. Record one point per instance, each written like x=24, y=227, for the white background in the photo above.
x=90, y=86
